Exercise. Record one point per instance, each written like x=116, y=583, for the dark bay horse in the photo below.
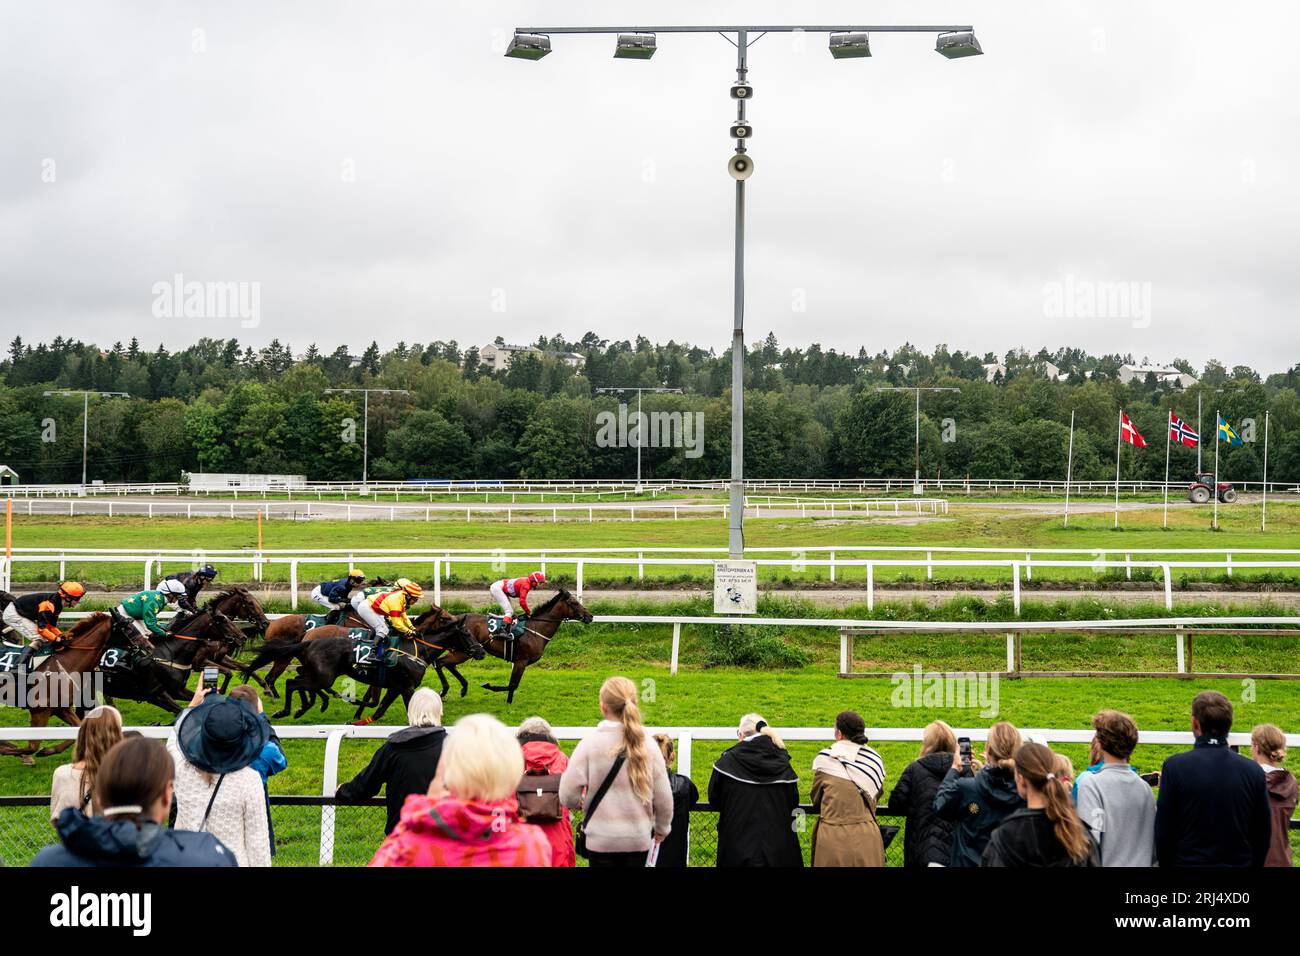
x=277, y=638
x=331, y=655
x=528, y=647
x=55, y=687
x=237, y=603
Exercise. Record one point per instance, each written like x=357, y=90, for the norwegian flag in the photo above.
x=1129, y=433
x=1181, y=432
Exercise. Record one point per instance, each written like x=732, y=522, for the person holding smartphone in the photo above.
x=977, y=796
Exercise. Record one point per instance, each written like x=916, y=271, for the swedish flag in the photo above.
x=1226, y=433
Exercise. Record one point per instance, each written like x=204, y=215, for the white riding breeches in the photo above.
x=373, y=618
x=20, y=624
x=321, y=599
x=498, y=591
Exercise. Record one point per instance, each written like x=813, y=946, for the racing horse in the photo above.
x=235, y=602
x=161, y=677
x=57, y=690
x=331, y=654
x=524, y=650
x=278, y=638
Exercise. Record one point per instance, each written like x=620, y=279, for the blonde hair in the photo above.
x=619, y=700
x=749, y=726
x=665, y=747
x=1064, y=767
x=1004, y=741
x=100, y=730
x=1269, y=740
x=938, y=737
x=425, y=708
x=481, y=759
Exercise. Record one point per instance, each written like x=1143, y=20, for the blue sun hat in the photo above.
x=222, y=735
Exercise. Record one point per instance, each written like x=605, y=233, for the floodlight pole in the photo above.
x=736, y=515
x=365, y=422
x=640, y=440
x=85, y=419
x=918, y=389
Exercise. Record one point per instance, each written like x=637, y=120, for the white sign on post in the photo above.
x=735, y=587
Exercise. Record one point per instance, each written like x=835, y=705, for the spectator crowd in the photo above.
x=486, y=797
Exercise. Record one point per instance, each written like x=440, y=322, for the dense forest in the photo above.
x=218, y=406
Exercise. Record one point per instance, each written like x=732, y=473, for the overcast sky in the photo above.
x=383, y=172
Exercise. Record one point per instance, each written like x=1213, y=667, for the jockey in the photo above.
x=507, y=588
x=36, y=617
x=337, y=595
x=186, y=585
x=387, y=606
x=140, y=611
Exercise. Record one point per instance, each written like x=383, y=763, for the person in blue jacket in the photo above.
x=272, y=759
x=336, y=595
x=133, y=796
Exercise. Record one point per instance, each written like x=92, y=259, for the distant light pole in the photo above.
x=640, y=43
x=916, y=485
x=85, y=419
x=640, y=440
x=365, y=426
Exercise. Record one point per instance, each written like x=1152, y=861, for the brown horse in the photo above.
x=527, y=648
x=55, y=688
x=238, y=604
x=280, y=635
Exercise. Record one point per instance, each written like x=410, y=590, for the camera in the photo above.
x=741, y=130
x=742, y=91
x=963, y=747
x=210, y=677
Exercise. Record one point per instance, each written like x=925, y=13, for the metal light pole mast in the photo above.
x=85, y=420
x=640, y=43
x=640, y=421
x=918, y=389
x=365, y=420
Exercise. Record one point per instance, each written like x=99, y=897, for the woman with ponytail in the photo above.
x=1268, y=749
x=636, y=810
x=1046, y=831
x=977, y=797
x=848, y=778
x=756, y=792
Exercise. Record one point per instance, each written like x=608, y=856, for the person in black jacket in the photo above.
x=405, y=764
x=1046, y=831
x=976, y=799
x=756, y=793
x=674, y=849
x=1212, y=809
x=927, y=837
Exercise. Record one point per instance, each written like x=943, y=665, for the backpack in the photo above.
x=539, y=798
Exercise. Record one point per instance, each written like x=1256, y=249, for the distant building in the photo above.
x=993, y=369
x=1165, y=375
x=1050, y=371
x=498, y=357
x=209, y=481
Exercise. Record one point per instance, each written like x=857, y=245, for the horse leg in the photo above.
x=69, y=717
x=464, y=684
x=516, y=672
x=437, y=669
x=383, y=707
x=288, y=701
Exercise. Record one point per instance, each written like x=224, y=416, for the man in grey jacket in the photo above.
x=1116, y=803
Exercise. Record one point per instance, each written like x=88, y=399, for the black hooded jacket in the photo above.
x=927, y=838
x=405, y=763
x=976, y=804
x=755, y=792
x=1028, y=838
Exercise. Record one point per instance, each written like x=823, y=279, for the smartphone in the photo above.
x=210, y=677
x=963, y=747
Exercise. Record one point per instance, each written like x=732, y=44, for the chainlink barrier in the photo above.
x=358, y=829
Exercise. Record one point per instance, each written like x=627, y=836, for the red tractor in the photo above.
x=1198, y=492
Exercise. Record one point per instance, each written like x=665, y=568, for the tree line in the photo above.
x=217, y=406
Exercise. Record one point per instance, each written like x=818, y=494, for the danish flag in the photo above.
x=1129, y=433
x=1179, y=431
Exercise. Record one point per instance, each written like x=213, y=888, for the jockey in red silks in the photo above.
x=508, y=588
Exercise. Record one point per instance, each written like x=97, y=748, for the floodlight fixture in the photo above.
x=635, y=46
x=957, y=45
x=529, y=46
x=846, y=46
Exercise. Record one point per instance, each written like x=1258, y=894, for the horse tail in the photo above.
x=276, y=651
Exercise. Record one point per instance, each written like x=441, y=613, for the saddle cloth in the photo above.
x=495, y=626
x=10, y=653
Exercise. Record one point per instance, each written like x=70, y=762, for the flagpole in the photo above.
x=1215, y=490
x=1168, y=424
x=1069, y=466
x=1263, y=506
x=1119, y=439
